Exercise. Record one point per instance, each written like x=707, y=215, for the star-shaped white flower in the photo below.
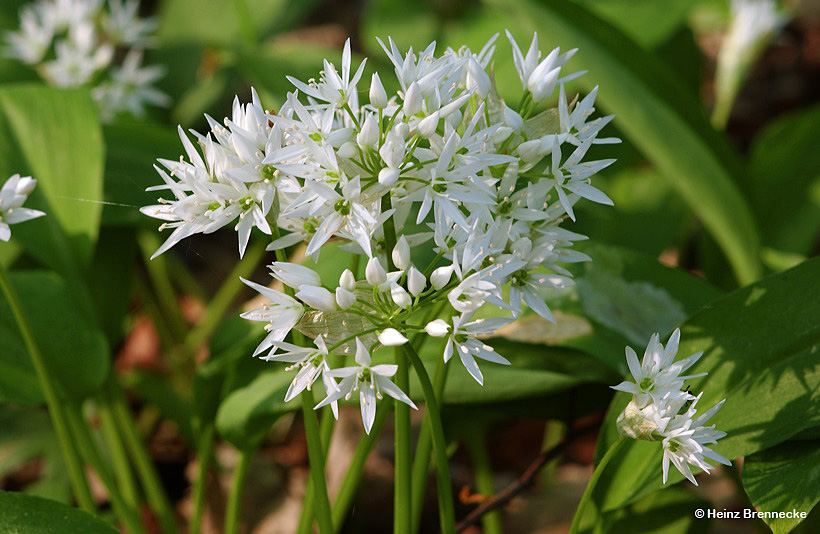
x=12, y=196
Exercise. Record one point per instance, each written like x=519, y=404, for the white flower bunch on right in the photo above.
x=75, y=43
x=660, y=410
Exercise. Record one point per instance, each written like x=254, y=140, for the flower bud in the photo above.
x=501, y=134
x=640, y=423
x=415, y=281
x=513, y=119
x=402, y=130
x=400, y=296
x=441, y=276
x=317, y=297
x=401, y=254
x=344, y=298
x=437, y=328
x=347, y=280
x=388, y=176
x=412, y=100
x=427, y=126
x=530, y=151
x=374, y=273
x=390, y=337
x=392, y=151
x=545, y=86
x=378, y=97
x=347, y=150
x=369, y=134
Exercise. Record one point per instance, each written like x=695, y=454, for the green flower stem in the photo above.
x=579, y=512
x=424, y=447
x=403, y=436
x=235, y=496
x=224, y=298
x=314, y=440
x=350, y=484
x=308, y=506
x=205, y=450
x=477, y=448
x=129, y=515
x=161, y=281
x=403, y=450
x=445, y=495
x=55, y=409
x=146, y=472
x=119, y=457
x=317, y=464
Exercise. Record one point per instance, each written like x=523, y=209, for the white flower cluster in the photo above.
x=97, y=43
x=661, y=411
x=12, y=196
x=445, y=164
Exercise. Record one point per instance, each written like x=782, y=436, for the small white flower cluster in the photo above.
x=12, y=196
x=81, y=42
x=661, y=411
x=445, y=163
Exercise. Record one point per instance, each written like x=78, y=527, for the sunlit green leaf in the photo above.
x=26, y=514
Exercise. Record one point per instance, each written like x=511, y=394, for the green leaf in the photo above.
x=662, y=119
x=74, y=350
x=156, y=390
x=783, y=479
x=246, y=415
x=646, y=23
x=132, y=150
x=54, y=135
x=663, y=512
x=26, y=514
x=27, y=436
x=786, y=153
x=760, y=348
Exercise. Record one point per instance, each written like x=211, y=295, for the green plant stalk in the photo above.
x=235, y=496
x=424, y=447
x=350, y=484
x=74, y=466
x=161, y=282
x=403, y=437
x=477, y=448
x=326, y=432
x=205, y=449
x=127, y=514
x=146, y=472
x=316, y=454
x=445, y=496
x=317, y=464
x=126, y=483
x=579, y=512
x=224, y=298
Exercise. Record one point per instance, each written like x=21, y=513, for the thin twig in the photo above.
x=524, y=481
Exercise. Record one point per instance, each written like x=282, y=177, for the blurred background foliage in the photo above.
x=698, y=214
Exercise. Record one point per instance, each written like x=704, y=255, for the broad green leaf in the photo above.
x=75, y=351
x=113, y=274
x=26, y=514
x=760, y=347
x=783, y=479
x=663, y=512
x=646, y=23
x=224, y=22
x=246, y=415
x=656, y=113
x=28, y=435
x=54, y=135
x=784, y=181
x=131, y=151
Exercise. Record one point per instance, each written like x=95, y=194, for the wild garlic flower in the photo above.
x=443, y=164
x=661, y=411
x=370, y=381
x=13, y=194
x=75, y=43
